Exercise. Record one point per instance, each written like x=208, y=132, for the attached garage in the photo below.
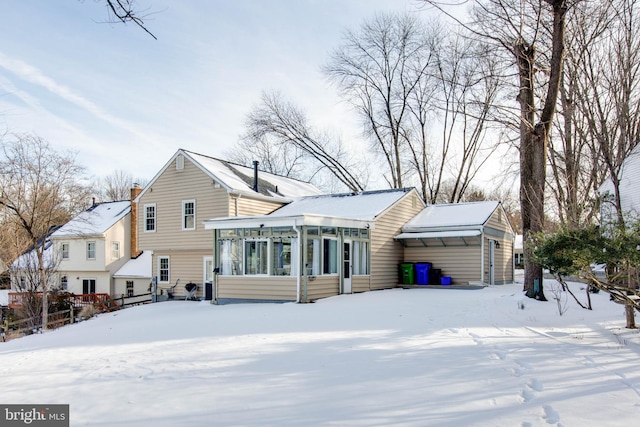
x=470, y=243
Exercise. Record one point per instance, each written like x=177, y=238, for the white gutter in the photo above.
x=300, y=267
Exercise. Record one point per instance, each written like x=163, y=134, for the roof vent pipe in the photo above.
x=255, y=176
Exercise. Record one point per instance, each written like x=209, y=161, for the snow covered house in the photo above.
x=93, y=246
x=193, y=187
x=629, y=194
x=134, y=277
x=313, y=247
x=472, y=243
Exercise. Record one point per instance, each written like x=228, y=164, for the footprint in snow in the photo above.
x=551, y=416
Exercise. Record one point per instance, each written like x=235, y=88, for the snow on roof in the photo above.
x=240, y=178
x=138, y=267
x=452, y=215
x=362, y=206
x=95, y=220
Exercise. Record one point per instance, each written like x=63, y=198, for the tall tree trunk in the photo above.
x=534, y=139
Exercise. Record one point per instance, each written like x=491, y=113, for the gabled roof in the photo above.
x=451, y=216
x=349, y=210
x=95, y=220
x=138, y=267
x=238, y=179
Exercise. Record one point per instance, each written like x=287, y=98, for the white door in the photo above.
x=346, y=267
x=492, y=258
x=207, y=277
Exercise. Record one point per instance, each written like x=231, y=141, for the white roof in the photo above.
x=457, y=215
x=239, y=179
x=139, y=267
x=95, y=220
x=355, y=210
x=365, y=206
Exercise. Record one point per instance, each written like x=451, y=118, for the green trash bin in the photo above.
x=407, y=274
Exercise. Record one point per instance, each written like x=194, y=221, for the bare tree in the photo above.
x=117, y=185
x=39, y=189
x=608, y=93
x=424, y=96
x=126, y=11
x=532, y=34
x=287, y=127
x=378, y=70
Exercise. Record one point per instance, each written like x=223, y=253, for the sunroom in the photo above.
x=289, y=258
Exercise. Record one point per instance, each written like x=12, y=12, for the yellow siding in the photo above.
x=186, y=266
x=244, y=206
x=262, y=288
x=167, y=192
x=462, y=263
x=387, y=253
x=503, y=256
x=322, y=287
x=360, y=283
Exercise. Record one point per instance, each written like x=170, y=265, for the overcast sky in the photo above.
x=123, y=100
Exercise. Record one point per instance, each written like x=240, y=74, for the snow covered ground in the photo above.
x=419, y=357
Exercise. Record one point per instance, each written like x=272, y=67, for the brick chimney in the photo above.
x=135, y=191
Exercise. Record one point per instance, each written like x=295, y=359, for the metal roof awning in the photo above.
x=461, y=235
x=439, y=234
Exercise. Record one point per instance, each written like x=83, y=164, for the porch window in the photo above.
x=230, y=257
x=282, y=257
x=312, y=263
x=329, y=256
x=360, y=258
x=256, y=257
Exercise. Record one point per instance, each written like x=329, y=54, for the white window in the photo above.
x=129, y=288
x=64, y=283
x=256, y=257
x=115, y=250
x=313, y=257
x=360, y=258
x=65, y=251
x=188, y=214
x=231, y=257
x=163, y=269
x=91, y=250
x=150, y=217
x=329, y=256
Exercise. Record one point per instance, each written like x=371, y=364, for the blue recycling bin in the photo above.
x=422, y=273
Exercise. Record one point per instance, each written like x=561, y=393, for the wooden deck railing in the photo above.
x=99, y=301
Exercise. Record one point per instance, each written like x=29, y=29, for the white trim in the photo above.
x=168, y=258
x=183, y=215
x=155, y=218
x=439, y=234
x=95, y=248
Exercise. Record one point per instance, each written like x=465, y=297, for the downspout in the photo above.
x=300, y=265
x=482, y=256
x=216, y=266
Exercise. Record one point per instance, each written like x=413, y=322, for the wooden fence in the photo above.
x=19, y=328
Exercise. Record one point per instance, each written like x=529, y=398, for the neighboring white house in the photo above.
x=92, y=247
x=629, y=194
